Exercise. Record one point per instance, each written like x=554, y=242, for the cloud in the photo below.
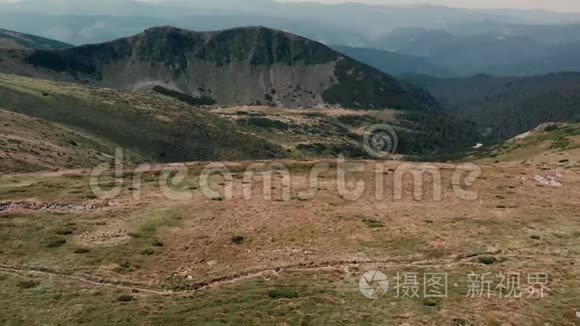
x=558, y=5
x=93, y=30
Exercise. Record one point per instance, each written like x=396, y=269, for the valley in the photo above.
x=263, y=163
x=522, y=102
x=84, y=125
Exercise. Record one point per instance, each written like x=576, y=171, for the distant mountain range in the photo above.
x=352, y=24
x=241, y=66
x=442, y=54
x=15, y=40
x=87, y=29
x=394, y=63
x=516, y=51
x=450, y=41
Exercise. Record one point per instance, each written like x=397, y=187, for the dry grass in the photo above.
x=550, y=144
x=313, y=249
x=30, y=144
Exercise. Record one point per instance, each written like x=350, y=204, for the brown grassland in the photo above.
x=68, y=257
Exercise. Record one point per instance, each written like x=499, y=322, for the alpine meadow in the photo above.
x=265, y=162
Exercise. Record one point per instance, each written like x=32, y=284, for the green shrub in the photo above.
x=374, y=224
x=134, y=235
x=284, y=293
x=148, y=252
x=487, y=260
x=54, y=242
x=81, y=250
x=157, y=243
x=64, y=231
x=560, y=143
x=27, y=284
x=237, y=239
x=429, y=302
x=459, y=322
x=125, y=264
x=191, y=100
x=125, y=298
x=266, y=123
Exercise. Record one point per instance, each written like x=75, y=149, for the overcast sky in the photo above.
x=558, y=5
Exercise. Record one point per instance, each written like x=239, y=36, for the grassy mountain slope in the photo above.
x=15, y=40
x=150, y=128
x=550, y=143
x=314, y=133
x=51, y=125
x=505, y=107
x=392, y=62
x=29, y=144
x=240, y=66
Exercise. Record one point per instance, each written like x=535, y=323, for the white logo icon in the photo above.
x=373, y=284
x=380, y=140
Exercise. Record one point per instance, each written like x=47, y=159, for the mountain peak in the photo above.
x=168, y=29
x=257, y=44
x=163, y=28
x=240, y=66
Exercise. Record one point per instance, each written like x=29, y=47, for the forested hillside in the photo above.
x=505, y=107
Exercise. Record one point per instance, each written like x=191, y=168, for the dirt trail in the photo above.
x=199, y=285
x=233, y=278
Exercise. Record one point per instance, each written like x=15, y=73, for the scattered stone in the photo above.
x=547, y=181
x=211, y=263
x=58, y=207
